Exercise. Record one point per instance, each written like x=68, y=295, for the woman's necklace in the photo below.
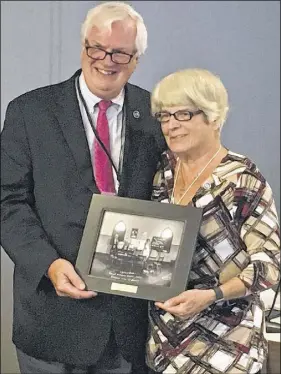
x=194, y=180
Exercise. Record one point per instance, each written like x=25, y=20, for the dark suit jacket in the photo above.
x=47, y=185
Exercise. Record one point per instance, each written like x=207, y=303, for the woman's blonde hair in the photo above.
x=195, y=88
x=103, y=15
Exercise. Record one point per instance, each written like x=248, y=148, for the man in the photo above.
x=52, y=163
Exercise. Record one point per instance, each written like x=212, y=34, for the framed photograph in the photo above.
x=137, y=248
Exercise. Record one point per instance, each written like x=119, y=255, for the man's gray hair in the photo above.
x=103, y=15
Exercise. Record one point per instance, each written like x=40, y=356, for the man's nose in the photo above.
x=108, y=60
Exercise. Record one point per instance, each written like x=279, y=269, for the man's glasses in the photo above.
x=97, y=53
x=180, y=115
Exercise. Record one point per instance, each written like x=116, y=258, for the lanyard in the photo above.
x=118, y=172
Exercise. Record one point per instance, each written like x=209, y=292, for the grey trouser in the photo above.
x=111, y=362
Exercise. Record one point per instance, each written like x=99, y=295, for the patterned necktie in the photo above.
x=102, y=166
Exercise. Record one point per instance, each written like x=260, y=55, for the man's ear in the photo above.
x=83, y=49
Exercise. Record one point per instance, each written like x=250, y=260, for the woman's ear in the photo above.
x=216, y=125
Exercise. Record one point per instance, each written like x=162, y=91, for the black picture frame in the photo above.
x=117, y=262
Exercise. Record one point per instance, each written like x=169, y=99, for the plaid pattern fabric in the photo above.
x=239, y=236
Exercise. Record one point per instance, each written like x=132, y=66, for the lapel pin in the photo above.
x=136, y=114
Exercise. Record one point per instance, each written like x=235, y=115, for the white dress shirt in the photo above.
x=114, y=116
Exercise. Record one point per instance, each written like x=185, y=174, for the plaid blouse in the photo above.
x=238, y=237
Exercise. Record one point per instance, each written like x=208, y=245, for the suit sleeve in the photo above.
x=22, y=235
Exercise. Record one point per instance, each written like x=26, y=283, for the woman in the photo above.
x=216, y=325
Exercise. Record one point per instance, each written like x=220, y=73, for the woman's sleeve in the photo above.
x=159, y=189
x=259, y=229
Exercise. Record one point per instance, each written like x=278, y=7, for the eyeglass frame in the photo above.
x=192, y=114
x=87, y=47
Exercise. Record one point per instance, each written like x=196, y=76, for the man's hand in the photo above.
x=188, y=303
x=66, y=281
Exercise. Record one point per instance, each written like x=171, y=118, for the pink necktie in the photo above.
x=102, y=165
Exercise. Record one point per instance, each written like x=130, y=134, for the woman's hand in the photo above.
x=188, y=303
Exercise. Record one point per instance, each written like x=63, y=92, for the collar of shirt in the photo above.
x=92, y=100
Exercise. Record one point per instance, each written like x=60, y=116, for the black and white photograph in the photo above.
x=137, y=250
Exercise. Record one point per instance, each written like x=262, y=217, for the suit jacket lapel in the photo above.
x=67, y=111
x=132, y=123
x=69, y=116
